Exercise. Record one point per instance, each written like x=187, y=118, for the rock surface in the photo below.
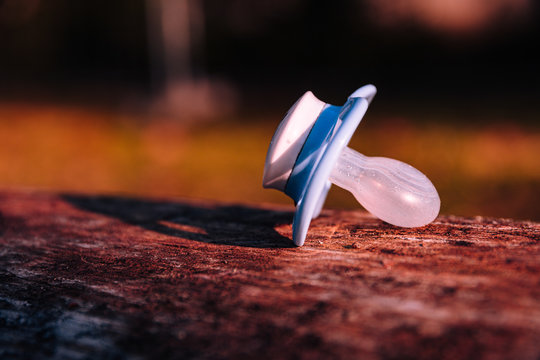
x=97, y=277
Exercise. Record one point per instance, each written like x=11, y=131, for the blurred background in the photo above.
x=182, y=97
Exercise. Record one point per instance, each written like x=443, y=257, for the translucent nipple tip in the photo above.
x=389, y=189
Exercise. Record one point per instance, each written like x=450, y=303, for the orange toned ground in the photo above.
x=479, y=170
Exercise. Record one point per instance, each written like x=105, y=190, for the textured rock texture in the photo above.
x=95, y=277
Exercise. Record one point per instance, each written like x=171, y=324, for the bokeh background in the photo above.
x=181, y=97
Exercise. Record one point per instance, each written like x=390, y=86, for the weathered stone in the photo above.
x=112, y=277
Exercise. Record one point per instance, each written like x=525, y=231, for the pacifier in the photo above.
x=309, y=152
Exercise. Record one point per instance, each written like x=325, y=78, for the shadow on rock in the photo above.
x=226, y=225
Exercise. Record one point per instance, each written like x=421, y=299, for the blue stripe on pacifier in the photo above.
x=311, y=152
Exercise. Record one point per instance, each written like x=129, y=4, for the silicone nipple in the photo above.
x=391, y=190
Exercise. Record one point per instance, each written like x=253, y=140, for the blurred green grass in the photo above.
x=486, y=169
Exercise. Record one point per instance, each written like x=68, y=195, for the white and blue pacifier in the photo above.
x=309, y=152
